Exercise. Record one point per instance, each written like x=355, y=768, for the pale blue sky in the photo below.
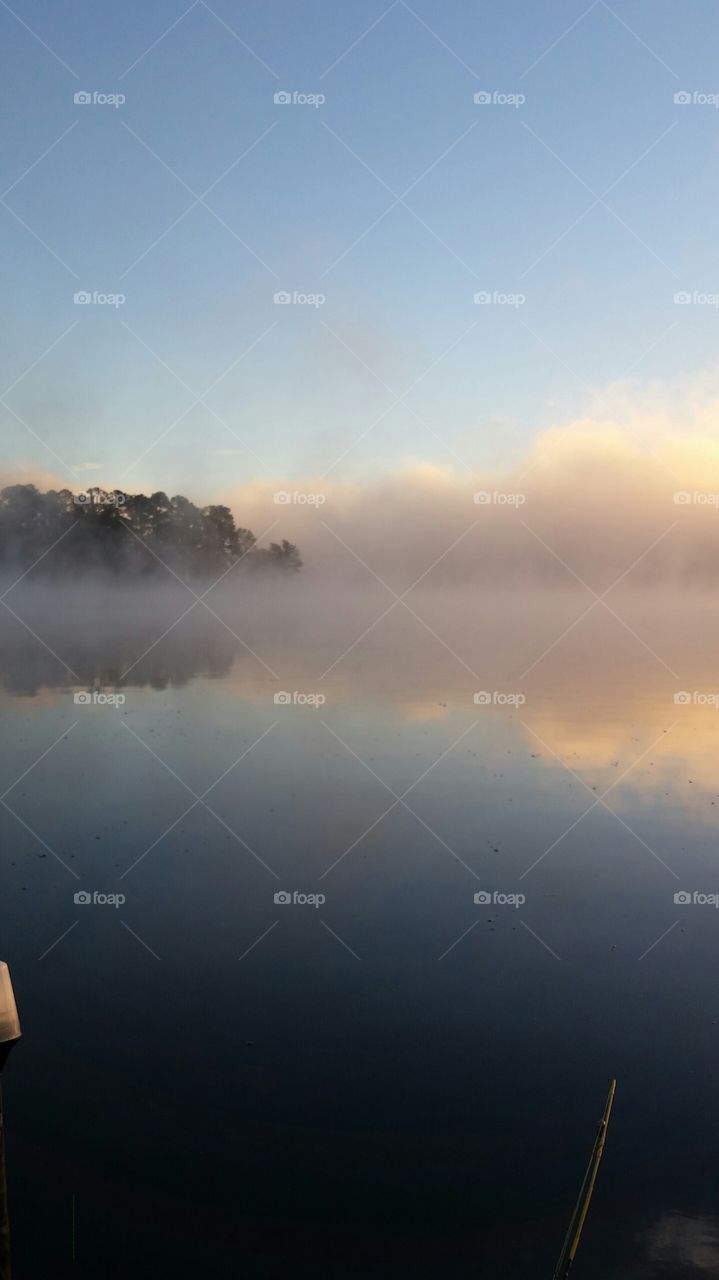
x=310, y=183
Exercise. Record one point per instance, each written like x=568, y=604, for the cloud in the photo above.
x=592, y=502
x=633, y=492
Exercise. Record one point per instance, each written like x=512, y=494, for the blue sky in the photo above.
x=307, y=201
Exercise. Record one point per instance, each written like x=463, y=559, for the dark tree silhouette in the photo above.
x=127, y=534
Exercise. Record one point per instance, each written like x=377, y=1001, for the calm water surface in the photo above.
x=399, y=1081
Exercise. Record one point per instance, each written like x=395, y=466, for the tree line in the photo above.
x=64, y=533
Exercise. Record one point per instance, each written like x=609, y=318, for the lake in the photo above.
x=281, y=1036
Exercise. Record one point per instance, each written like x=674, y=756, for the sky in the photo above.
x=580, y=200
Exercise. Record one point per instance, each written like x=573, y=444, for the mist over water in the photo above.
x=381, y=1034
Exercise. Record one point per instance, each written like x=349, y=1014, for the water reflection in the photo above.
x=465, y=1085
x=678, y=1244
x=594, y=699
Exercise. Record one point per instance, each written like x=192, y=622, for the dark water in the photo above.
x=399, y=1081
